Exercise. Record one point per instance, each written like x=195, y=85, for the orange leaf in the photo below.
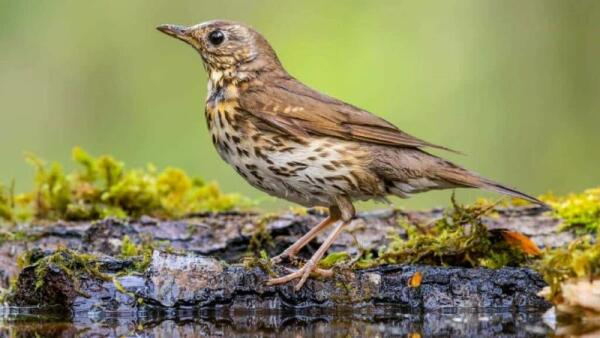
x=517, y=239
x=415, y=280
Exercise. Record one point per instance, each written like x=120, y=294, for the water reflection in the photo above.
x=380, y=323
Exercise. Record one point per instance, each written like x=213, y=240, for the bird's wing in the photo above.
x=295, y=109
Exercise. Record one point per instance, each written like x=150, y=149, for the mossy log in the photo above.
x=195, y=265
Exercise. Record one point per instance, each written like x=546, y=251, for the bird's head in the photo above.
x=225, y=45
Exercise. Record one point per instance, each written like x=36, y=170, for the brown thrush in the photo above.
x=293, y=142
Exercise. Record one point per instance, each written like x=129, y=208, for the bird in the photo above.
x=296, y=143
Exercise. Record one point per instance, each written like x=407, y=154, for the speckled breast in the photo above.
x=308, y=171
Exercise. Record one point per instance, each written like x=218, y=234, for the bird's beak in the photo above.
x=176, y=31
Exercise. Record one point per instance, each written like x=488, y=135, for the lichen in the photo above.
x=457, y=239
x=101, y=187
x=580, y=212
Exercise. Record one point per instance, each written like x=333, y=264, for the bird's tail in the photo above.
x=464, y=178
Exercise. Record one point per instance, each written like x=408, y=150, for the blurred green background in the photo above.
x=514, y=84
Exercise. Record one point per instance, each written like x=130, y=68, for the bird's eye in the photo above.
x=216, y=37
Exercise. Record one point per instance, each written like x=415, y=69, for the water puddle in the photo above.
x=387, y=322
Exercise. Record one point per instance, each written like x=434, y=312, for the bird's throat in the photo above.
x=223, y=85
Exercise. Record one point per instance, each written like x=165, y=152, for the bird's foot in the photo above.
x=303, y=273
x=282, y=257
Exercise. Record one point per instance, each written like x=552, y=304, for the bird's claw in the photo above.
x=302, y=273
x=279, y=258
x=284, y=256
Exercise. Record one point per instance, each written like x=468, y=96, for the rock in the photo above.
x=58, y=288
x=174, y=279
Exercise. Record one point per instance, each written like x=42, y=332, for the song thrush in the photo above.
x=293, y=142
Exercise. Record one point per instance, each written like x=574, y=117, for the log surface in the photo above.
x=207, y=276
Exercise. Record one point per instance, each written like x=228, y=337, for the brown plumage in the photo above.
x=295, y=143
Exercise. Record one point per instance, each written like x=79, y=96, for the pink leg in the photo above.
x=293, y=249
x=311, y=265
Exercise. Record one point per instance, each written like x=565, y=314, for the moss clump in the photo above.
x=73, y=264
x=262, y=261
x=19, y=235
x=13, y=207
x=141, y=253
x=334, y=259
x=261, y=237
x=128, y=248
x=6, y=203
x=580, y=212
x=258, y=244
x=102, y=187
x=578, y=259
x=457, y=239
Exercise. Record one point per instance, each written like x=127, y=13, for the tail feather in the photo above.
x=497, y=187
x=464, y=178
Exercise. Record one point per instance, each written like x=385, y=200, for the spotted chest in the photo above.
x=310, y=171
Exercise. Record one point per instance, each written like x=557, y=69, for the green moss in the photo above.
x=16, y=236
x=6, y=204
x=578, y=259
x=76, y=265
x=101, y=187
x=580, y=212
x=119, y=287
x=457, y=239
x=261, y=237
x=5, y=294
x=261, y=261
x=333, y=259
x=140, y=253
x=73, y=264
x=128, y=248
x=14, y=207
x=29, y=257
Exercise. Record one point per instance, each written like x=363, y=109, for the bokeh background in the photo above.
x=513, y=84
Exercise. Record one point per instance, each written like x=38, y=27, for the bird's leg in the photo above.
x=342, y=209
x=311, y=265
x=292, y=250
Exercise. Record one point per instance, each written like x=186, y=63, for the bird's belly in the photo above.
x=307, y=172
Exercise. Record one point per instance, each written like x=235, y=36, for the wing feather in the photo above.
x=295, y=109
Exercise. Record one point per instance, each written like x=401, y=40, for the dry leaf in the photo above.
x=415, y=280
x=517, y=239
